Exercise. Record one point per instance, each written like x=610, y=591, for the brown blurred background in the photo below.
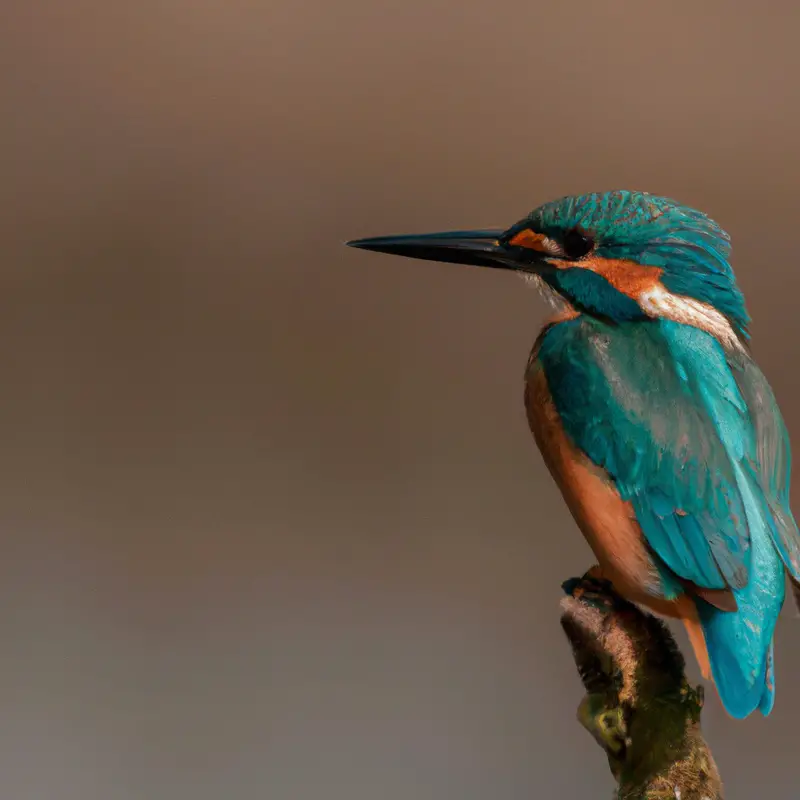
x=273, y=524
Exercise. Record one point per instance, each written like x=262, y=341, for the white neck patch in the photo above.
x=659, y=302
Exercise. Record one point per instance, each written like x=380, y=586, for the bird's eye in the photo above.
x=577, y=244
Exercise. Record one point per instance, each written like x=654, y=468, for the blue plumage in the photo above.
x=657, y=405
x=593, y=294
x=690, y=247
x=659, y=428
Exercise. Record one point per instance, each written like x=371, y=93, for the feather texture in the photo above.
x=692, y=250
x=691, y=436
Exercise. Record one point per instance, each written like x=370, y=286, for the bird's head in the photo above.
x=619, y=256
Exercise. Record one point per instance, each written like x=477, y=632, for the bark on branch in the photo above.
x=638, y=705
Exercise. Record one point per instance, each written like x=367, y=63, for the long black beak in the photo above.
x=475, y=248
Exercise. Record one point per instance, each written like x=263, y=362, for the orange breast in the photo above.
x=607, y=521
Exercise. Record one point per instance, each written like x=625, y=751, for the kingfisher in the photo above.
x=654, y=420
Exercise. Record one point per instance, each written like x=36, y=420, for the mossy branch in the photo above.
x=638, y=706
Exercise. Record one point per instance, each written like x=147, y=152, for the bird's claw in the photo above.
x=592, y=588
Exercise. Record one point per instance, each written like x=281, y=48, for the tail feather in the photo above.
x=740, y=653
x=740, y=642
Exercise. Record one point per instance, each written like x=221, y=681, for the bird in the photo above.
x=653, y=418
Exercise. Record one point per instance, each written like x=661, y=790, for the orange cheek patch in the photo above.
x=531, y=240
x=627, y=277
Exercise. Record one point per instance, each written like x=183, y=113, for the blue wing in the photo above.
x=691, y=435
x=770, y=461
x=641, y=414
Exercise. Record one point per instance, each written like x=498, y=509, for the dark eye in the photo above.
x=577, y=244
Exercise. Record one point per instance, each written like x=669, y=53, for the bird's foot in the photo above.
x=593, y=587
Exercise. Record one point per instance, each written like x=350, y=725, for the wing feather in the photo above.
x=658, y=407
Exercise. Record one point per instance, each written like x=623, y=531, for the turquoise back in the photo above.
x=691, y=435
